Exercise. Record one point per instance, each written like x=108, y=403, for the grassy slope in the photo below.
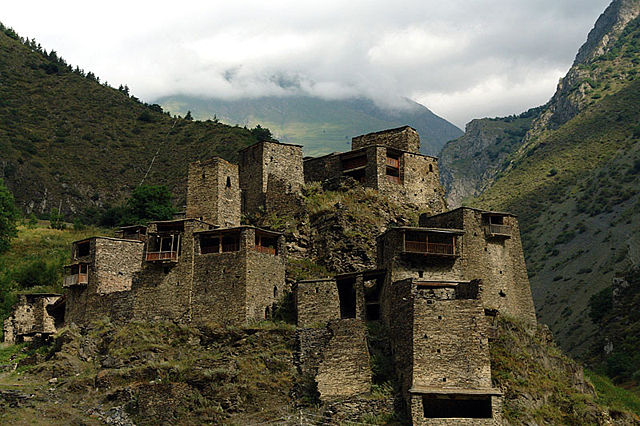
x=153, y=373
x=68, y=140
x=574, y=193
x=322, y=126
x=575, y=189
x=34, y=262
x=542, y=386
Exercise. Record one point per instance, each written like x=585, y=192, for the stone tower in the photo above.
x=213, y=192
x=271, y=175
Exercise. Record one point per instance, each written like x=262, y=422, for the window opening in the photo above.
x=83, y=249
x=456, y=407
x=347, y=297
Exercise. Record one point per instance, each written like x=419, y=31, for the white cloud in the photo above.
x=463, y=59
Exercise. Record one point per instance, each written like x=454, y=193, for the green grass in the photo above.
x=34, y=262
x=613, y=396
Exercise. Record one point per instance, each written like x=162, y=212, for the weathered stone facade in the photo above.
x=213, y=192
x=492, y=251
x=271, y=176
x=403, y=138
x=337, y=357
x=99, y=278
x=385, y=161
x=33, y=316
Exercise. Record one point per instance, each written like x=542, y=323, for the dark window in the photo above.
x=209, y=244
x=496, y=220
x=347, y=296
x=430, y=167
x=228, y=182
x=83, y=249
x=447, y=407
x=230, y=243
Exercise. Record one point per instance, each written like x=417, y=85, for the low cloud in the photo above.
x=461, y=59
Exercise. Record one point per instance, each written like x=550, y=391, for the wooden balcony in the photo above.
x=492, y=230
x=393, y=162
x=162, y=256
x=76, y=279
x=266, y=250
x=440, y=249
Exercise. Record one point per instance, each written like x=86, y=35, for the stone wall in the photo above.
x=163, y=290
x=323, y=168
x=497, y=260
x=219, y=288
x=450, y=341
x=338, y=356
x=264, y=162
x=116, y=261
x=213, y=192
x=113, y=263
x=265, y=279
x=317, y=302
x=403, y=138
x=30, y=317
x=420, y=181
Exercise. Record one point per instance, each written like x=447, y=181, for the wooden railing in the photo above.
x=428, y=248
x=503, y=230
x=393, y=162
x=162, y=255
x=267, y=250
x=76, y=279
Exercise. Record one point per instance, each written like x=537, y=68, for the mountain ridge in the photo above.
x=321, y=126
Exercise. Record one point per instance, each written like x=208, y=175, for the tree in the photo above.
x=188, y=117
x=148, y=202
x=8, y=217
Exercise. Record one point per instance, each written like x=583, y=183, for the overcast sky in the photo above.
x=462, y=59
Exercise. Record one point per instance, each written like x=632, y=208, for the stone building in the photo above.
x=98, y=280
x=491, y=251
x=440, y=345
x=388, y=161
x=436, y=287
x=225, y=276
x=34, y=316
x=271, y=176
x=213, y=192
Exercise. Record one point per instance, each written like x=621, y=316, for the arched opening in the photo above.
x=228, y=182
x=430, y=167
x=275, y=291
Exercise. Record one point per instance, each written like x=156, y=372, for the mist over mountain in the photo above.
x=321, y=126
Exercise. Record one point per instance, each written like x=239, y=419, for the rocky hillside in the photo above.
x=67, y=141
x=573, y=179
x=161, y=372
x=322, y=126
x=471, y=163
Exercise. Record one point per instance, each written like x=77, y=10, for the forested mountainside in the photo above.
x=321, y=126
x=69, y=142
x=573, y=178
